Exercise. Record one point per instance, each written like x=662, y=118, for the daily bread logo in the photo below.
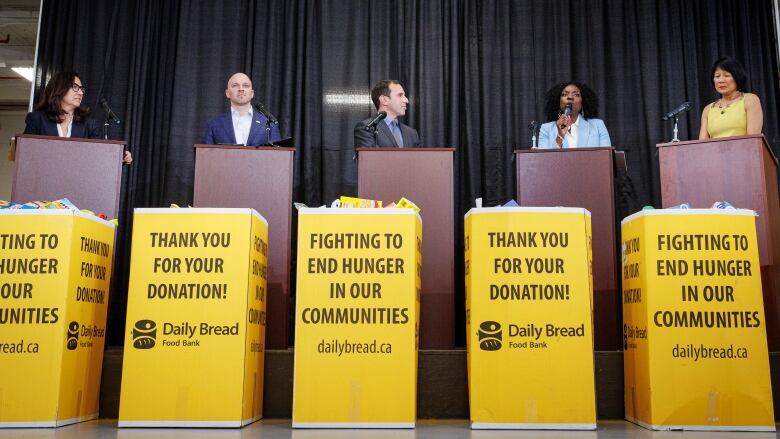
x=86, y=332
x=180, y=334
x=73, y=336
x=144, y=334
x=490, y=336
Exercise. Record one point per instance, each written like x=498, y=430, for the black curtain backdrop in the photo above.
x=475, y=71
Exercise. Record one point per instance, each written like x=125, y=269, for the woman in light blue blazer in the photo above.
x=572, y=107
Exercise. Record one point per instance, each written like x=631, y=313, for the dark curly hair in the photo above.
x=56, y=88
x=552, y=99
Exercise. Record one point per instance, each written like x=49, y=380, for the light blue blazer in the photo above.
x=592, y=133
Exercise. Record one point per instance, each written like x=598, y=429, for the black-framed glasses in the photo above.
x=75, y=87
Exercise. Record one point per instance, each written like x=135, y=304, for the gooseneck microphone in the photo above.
x=685, y=106
x=110, y=115
x=268, y=115
x=379, y=117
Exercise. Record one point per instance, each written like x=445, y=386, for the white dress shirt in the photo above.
x=574, y=133
x=241, y=125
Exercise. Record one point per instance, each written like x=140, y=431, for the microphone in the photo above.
x=110, y=115
x=685, y=106
x=532, y=126
x=379, y=116
x=566, y=112
x=268, y=115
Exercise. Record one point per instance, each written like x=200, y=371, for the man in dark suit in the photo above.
x=241, y=125
x=388, y=95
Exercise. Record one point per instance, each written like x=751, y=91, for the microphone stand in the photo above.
x=268, y=131
x=105, y=128
x=373, y=132
x=675, y=139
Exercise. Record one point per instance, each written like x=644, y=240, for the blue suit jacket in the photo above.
x=220, y=130
x=592, y=132
x=38, y=123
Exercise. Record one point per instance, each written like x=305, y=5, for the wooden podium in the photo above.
x=86, y=171
x=743, y=171
x=581, y=177
x=425, y=177
x=260, y=178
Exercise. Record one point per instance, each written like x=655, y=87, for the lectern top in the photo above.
x=70, y=139
x=248, y=148
x=418, y=149
x=549, y=150
x=723, y=139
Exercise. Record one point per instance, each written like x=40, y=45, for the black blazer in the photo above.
x=38, y=123
x=384, y=138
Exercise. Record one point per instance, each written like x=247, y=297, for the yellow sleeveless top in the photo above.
x=729, y=121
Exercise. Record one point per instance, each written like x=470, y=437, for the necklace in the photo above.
x=721, y=100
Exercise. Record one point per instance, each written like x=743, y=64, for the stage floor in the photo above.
x=426, y=429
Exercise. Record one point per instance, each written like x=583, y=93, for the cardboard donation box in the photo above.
x=529, y=301
x=357, y=309
x=694, y=338
x=195, y=329
x=55, y=273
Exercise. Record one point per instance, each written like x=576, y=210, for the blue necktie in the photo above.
x=397, y=134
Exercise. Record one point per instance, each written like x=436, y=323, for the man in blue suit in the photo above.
x=241, y=125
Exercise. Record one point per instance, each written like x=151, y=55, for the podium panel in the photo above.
x=259, y=178
x=424, y=176
x=356, y=318
x=194, y=342
x=86, y=171
x=581, y=177
x=695, y=349
x=742, y=171
x=529, y=329
x=55, y=274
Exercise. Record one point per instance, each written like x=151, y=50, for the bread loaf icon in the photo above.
x=73, y=335
x=144, y=334
x=489, y=336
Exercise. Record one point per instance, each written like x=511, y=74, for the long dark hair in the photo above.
x=552, y=99
x=56, y=88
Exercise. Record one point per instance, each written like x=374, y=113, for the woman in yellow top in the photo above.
x=736, y=113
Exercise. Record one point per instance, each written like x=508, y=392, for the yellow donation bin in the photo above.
x=195, y=331
x=356, y=318
x=695, y=352
x=55, y=274
x=529, y=290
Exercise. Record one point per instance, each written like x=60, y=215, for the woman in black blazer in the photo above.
x=59, y=112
